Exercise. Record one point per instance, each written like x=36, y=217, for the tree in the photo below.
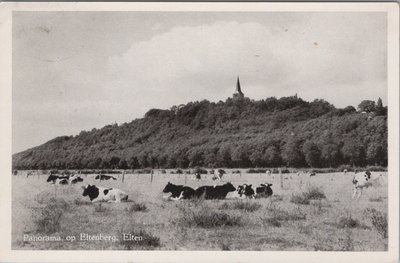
x=256, y=157
x=114, y=161
x=240, y=156
x=133, y=163
x=330, y=153
x=311, y=153
x=272, y=156
x=380, y=110
x=122, y=164
x=292, y=154
x=367, y=106
x=353, y=151
x=224, y=158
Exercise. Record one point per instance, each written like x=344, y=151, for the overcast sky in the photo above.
x=75, y=71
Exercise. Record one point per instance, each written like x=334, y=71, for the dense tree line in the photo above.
x=245, y=133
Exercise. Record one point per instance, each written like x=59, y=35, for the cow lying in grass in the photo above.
x=75, y=179
x=179, y=191
x=264, y=190
x=104, y=177
x=364, y=180
x=100, y=194
x=214, y=192
x=247, y=191
x=57, y=179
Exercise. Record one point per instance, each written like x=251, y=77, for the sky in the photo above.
x=75, y=71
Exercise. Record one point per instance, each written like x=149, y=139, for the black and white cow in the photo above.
x=104, y=177
x=214, y=192
x=264, y=190
x=100, y=194
x=364, y=180
x=246, y=191
x=63, y=181
x=179, y=191
x=75, y=179
x=56, y=179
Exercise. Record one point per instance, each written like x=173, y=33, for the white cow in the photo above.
x=98, y=194
x=364, y=180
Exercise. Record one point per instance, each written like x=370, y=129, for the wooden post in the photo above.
x=151, y=176
x=280, y=173
x=123, y=176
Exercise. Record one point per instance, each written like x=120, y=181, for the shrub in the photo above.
x=299, y=199
x=343, y=167
x=100, y=209
x=273, y=221
x=110, y=172
x=139, y=239
x=347, y=222
x=236, y=171
x=47, y=219
x=137, y=207
x=377, y=199
x=246, y=206
x=379, y=221
x=143, y=171
x=276, y=215
x=163, y=171
x=79, y=202
x=206, y=217
x=200, y=170
x=312, y=193
x=256, y=171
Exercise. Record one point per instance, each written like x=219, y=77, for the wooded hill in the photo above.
x=236, y=133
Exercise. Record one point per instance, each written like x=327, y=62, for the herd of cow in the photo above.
x=217, y=191
x=177, y=192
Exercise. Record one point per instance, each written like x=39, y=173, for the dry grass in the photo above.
x=241, y=205
x=273, y=223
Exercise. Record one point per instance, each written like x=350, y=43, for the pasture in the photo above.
x=281, y=222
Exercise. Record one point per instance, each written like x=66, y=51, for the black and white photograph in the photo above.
x=202, y=127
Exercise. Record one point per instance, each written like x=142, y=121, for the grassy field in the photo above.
x=308, y=213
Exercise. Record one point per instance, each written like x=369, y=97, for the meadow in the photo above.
x=304, y=213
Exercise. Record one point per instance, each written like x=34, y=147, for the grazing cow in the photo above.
x=179, y=191
x=52, y=179
x=104, y=177
x=364, y=180
x=246, y=190
x=214, y=192
x=313, y=174
x=264, y=190
x=99, y=194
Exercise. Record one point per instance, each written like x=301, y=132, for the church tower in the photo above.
x=238, y=94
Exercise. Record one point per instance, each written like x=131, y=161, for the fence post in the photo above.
x=123, y=176
x=151, y=176
x=280, y=173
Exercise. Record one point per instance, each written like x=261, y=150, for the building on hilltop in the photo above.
x=238, y=95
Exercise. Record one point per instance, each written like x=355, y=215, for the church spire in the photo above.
x=238, y=92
